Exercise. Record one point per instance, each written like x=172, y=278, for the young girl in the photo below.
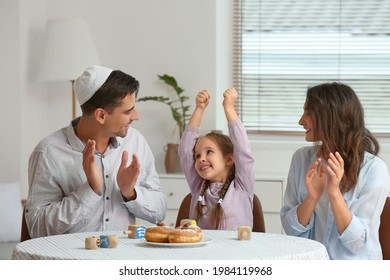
x=336, y=190
x=218, y=169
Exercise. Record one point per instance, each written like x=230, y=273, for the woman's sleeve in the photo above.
x=367, y=206
x=293, y=197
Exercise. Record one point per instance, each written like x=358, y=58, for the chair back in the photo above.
x=258, y=217
x=384, y=230
x=24, y=234
x=184, y=209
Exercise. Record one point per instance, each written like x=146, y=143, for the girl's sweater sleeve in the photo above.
x=186, y=154
x=244, y=161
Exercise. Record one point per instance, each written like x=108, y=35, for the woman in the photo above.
x=336, y=188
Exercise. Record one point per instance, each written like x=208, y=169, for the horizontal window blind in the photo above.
x=281, y=47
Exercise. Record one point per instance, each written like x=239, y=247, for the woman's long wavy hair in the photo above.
x=338, y=121
x=217, y=216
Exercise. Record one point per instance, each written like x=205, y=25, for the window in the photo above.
x=283, y=46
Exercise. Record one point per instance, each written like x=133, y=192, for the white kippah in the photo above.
x=89, y=82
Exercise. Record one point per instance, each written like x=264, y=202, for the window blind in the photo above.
x=281, y=47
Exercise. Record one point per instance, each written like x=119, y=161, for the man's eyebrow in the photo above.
x=131, y=109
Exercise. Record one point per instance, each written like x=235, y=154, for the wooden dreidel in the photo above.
x=135, y=231
x=92, y=242
x=244, y=233
x=113, y=241
x=103, y=241
x=108, y=241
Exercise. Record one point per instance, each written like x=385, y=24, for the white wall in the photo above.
x=184, y=38
x=10, y=140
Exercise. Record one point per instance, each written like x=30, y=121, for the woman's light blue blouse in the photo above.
x=360, y=239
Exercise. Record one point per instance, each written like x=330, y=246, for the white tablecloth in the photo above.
x=224, y=245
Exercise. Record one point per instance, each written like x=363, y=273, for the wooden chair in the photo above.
x=184, y=209
x=258, y=217
x=24, y=234
x=384, y=230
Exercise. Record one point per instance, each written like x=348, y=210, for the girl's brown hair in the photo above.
x=217, y=216
x=338, y=120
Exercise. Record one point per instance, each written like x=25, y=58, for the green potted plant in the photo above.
x=180, y=114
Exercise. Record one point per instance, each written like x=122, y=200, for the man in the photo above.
x=98, y=173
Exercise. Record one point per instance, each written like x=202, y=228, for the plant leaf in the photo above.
x=179, y=113
x=171, y=81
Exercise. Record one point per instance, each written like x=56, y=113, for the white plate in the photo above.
x=204, y=241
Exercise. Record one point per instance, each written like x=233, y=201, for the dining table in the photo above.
x=215, y=245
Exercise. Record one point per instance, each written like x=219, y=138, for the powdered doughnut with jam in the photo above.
x=186, y=233
x=158, y=233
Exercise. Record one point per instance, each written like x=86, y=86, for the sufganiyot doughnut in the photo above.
x=158, y=234
x=185, y=234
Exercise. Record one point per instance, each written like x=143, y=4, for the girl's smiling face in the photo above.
x=209, y=161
